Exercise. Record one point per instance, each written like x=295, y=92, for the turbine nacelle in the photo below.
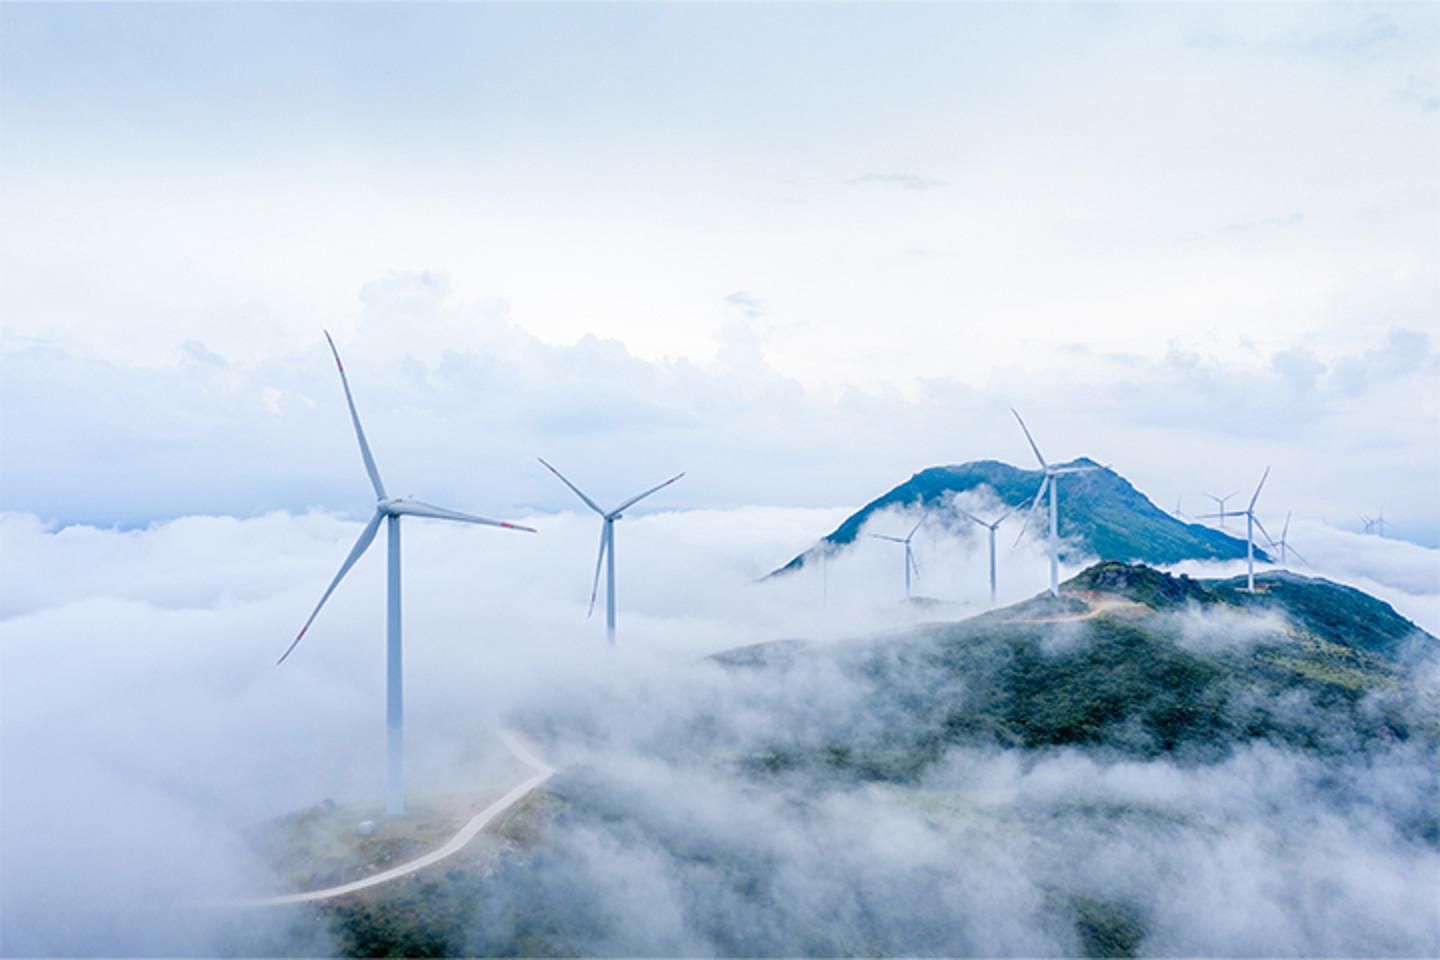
x=607, y=542
x=390, y=510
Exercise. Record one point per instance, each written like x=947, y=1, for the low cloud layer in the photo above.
x=145, y=722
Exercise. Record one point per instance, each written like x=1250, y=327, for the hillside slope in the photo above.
x=1101, y=514
x=1127, y=659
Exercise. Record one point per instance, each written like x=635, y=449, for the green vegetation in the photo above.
x=1099, y=510
x=1128, y=663
x=1319, y=671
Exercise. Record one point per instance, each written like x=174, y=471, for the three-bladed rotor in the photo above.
x=389, y=510
x=1048, y=484
x=607, y=542
x=910, y=562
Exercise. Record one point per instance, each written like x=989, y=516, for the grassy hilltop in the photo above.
x=1073, y=775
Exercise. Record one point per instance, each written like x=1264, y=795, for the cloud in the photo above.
x=138, y=666
x=909, y=181
x=1405, y=353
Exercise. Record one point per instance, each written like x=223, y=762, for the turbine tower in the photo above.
x=390, y=511
x=909, y=555
x=1251, y=522
x=607, y=544
x=1284, y=544
x=1050, y=483
x=1220, y=506
x=1375, y=525
x=991, y=527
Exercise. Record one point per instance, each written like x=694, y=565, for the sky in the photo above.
x=798, y=251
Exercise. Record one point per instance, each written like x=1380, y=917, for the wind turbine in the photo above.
x=1374, y=525
x=909, y=555
x=1050, y=483
x=390, y=511
x=607, y=544
x=1284, y=544
x=1251, y=522
x=991, y=527
x=1220, y=505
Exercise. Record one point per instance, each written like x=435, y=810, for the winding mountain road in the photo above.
x=472, y=828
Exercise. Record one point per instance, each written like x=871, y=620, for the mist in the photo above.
x=145, y=726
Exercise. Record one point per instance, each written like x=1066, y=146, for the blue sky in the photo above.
x=799, y=250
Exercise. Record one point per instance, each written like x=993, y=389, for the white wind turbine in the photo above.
x=607, y=544
x=1220, y=507
x=991, y=526
x=1284, y=544
x=909, y=554
x=1251, y=522
x=390, y=511
x=1050, y=483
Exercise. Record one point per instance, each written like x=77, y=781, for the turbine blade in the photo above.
x=1285, y=530
x=359, y=431
x=605, y=530
x=1034, y=506
x=1045, y=466
x=1297, y=553
x=415, y=508
x=914, y=564
x=1265, y=476
x=881, y=536
x=367, y=536
x=1268, y=539
x=588, y=502
x=914, y=529
x=637, y=498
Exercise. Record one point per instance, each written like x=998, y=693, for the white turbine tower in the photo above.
x=991, y=526
x=1220, y=507
x=1050, y=483
x=1284, y=543
x=607, y=544
x=909, y=554
x=390, y=511
x=1251, y=522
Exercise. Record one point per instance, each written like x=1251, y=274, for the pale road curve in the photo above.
x=543, y=772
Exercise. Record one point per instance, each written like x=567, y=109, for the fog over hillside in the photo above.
x=145, y=724
x=800, y=252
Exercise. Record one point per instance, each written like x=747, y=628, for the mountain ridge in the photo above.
x=1101, y=514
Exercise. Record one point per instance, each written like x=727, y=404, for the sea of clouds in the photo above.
x=145, y=725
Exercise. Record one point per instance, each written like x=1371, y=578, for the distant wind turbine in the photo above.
x=1177, y=514
x=991, y=526
x=607, y=544
x=1375, y=525
x=1220, y=505
x=390, y=511
x=1251, y=522
x=1050, y=483
x=909, y=554
x=1284, y=544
